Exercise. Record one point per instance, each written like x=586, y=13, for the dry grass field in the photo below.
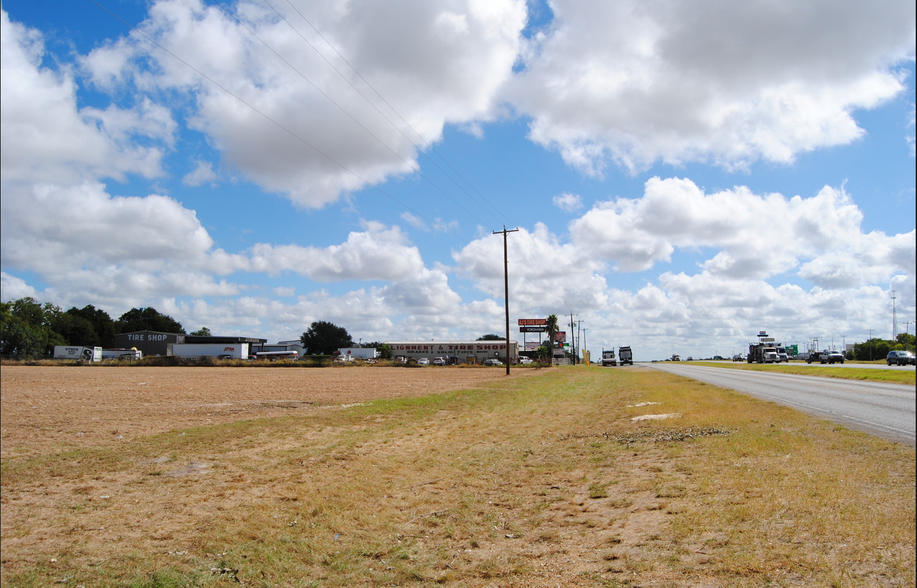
x=338, y=477
x=47, y=409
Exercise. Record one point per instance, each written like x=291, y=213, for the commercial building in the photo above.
x=152, y=343
x=149, y=342
x=465, y=351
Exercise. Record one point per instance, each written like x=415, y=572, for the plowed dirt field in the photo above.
x=52, y=408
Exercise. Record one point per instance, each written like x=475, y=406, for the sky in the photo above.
x=678, y=176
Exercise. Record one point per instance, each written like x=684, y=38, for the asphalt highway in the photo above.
x=886, y=410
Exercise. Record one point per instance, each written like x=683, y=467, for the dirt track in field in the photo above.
x=51, y=408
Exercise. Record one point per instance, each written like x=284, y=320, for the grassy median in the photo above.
x=892, y=376
x=579, y=477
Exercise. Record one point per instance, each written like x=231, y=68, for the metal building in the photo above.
x=149, y=342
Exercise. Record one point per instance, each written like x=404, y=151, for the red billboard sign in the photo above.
x=532, y=322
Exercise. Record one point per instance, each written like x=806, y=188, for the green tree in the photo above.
x=324, y=338
x=26, y=327
x=17, y=337
x=29, y=311
x=101, y=322
x=491, y=337
x=75, y=330
x=873, y=349
x=147, y=319
x=905, y=341
x=202, y=332
x=551, y=327
x=385, y=352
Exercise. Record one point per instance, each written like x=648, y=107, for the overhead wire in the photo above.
x=343, y=110
x=429, y=145
x=262, y=114
x=532, y=258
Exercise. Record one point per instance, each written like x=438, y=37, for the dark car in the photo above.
x=901, y=358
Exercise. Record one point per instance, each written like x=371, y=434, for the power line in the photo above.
x=315, y=148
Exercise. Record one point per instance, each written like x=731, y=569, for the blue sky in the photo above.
x=682, y=177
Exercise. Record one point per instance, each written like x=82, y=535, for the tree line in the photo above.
x=875, y=349
x=28, y=327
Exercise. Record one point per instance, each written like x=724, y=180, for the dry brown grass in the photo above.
x=528, y=482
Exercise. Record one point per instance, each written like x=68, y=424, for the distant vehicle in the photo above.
x=676, y=357
x=608, y=357
x=493, y=362
x=218, y=350
x=782, y=355
x=423, y=361
x=831, y=357
x=738, y=357
x=525, y=360
x=78, y=352
x=762, y=353
x=625, y=356
x=275, y=355
x=901, y=358
x=439, y=361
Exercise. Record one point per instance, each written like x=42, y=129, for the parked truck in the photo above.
x=625, y=356
x=122, y=354
x=218, y=350
x=78, y=352
x=608, y=357
x=762, y=353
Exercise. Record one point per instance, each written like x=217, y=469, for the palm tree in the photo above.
x=551, y=326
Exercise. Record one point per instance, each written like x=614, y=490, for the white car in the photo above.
x=525, y=360
x=423, y=361
x=439, y=361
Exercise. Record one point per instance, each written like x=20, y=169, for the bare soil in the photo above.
x=59, y=407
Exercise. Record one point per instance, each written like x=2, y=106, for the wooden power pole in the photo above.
x=506, y=287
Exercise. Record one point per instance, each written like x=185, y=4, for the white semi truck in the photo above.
x=762, y=353
x=218, y=350
x=78, y=352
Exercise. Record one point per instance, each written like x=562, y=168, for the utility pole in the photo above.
x=573, y=338
x=579, y=338
x=894, y=318
x=585, y=349
x=870, y=344
x=906, y=324
x=506, y=287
